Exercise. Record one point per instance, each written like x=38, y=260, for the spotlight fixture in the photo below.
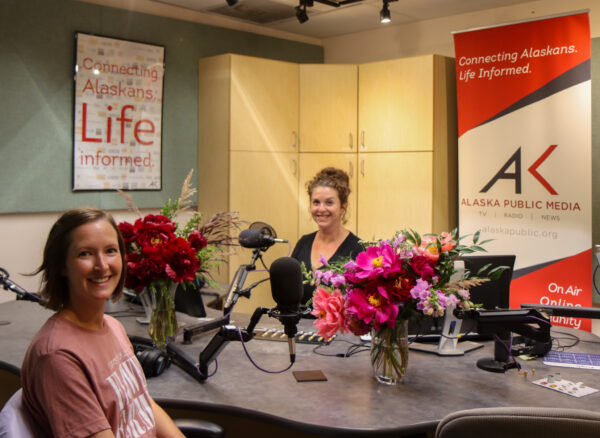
x=232, y=2
x=301, y=14
x=385, y=16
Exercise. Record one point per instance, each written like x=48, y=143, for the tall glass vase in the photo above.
x=389, y=353
x=163, y=322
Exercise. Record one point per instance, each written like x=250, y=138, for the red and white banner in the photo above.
x=118, y=114
x=524, y=121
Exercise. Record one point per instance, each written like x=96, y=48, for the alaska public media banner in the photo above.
x=524, y=121
x=118, y=114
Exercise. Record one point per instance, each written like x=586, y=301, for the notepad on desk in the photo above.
x=572, y=360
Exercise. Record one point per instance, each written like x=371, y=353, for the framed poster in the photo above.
x=118, y=114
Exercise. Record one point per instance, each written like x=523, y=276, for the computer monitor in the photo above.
x=494, y=294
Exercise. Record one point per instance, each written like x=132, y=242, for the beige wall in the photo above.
x=435, y=36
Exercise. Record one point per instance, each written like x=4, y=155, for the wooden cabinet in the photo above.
x=251, y=158
x=264, y=104
x=264, y=188
x=394, y=193
x=399, y=108
x=407, y=146
x=405, y=190
x=247, y=158
x=328, y=107
x=310, y=164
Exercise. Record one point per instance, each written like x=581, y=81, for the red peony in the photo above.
x=127, y=231
x=423, y=266
x=197, y=240
x=154, y=230
x=181, y=260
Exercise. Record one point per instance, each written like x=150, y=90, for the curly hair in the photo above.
x=55, y=288
x=334, y=178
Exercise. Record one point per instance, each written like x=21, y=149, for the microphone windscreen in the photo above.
x=286, y=283
x=250, y=238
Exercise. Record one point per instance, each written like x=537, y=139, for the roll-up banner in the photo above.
x=524, y=122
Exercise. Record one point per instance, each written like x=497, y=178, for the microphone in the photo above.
x=254, y=238
x=287, y=291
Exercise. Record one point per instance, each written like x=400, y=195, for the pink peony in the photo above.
x=375, y=262
x=372, y=306
x=329, y=310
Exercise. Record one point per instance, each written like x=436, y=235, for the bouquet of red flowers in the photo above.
x=155, y=252
x=160, y=255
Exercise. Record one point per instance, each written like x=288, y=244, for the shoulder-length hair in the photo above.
x=55, y=287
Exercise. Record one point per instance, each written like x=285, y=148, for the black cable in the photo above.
x=353, y=349
x=559, y=347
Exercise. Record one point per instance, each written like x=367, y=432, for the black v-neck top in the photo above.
x=302, y=251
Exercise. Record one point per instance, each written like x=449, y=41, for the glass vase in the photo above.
x=163, y=322
x=389, y=353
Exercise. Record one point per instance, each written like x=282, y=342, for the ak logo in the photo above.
x=515, y=159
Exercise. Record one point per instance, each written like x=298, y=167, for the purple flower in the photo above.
x=337, y=280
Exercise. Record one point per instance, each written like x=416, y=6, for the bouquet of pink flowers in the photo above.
x=406, y=277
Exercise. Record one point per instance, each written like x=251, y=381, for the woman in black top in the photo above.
x=328, y=192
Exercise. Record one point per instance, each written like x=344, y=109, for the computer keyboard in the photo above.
x=572, y=360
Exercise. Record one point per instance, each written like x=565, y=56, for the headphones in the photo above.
x=152, y=360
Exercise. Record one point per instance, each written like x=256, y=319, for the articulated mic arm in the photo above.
x=502, y=322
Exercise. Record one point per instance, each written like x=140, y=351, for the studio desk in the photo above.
x=250, y=402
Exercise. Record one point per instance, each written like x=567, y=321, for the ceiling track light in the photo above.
x=385, y=15
x=301, y=14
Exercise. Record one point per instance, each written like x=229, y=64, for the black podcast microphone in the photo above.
x=287, y=291
x=254, y=238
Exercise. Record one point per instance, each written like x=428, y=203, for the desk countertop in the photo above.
x=350, y=398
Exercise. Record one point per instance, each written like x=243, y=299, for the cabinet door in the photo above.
x=395, y=110
x=264, y=187
x=328, y=107
x=264, y=105
x=310, y=164
x=394, y=192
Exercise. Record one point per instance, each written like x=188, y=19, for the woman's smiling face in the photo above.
x=326, y=208
x=93, y=266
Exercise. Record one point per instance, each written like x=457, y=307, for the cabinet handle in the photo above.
x=294, y=167
x=362, y=139
x=362, y=167
x=350, y=169
x=351, y=141
x=295, y=143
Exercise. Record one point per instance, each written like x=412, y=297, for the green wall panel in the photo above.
x=37, y=42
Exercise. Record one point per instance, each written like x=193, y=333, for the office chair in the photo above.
x=10, y=381
x=520, y=422
x=16, y=421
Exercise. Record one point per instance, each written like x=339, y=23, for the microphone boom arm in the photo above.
x=226, y=334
